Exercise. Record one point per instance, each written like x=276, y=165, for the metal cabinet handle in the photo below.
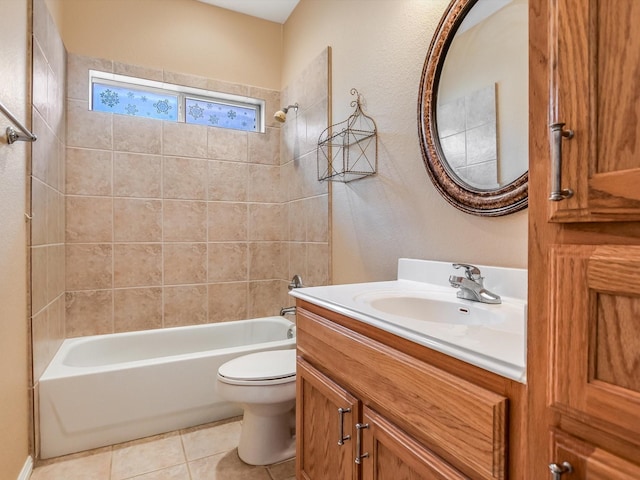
x=343, y=437
x=359, y=455
x=557, y=133
x=558, y=470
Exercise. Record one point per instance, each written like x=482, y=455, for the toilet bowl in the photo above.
x=264, y=384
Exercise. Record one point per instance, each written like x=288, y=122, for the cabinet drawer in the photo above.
x=463, y=423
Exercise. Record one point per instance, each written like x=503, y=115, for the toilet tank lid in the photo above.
x=268, y=365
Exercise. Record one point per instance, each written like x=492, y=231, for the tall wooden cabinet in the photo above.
x=584, y=260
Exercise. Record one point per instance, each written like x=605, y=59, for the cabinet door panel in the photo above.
x=393, y=455
x=318, y=427
x=589, y=462
x=595, y=94
x=595, y=306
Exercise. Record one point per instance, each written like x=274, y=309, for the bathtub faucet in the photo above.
x=288, y=311
x=296, y=282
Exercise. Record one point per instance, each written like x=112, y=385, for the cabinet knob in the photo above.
x=359, y=454
x=342, y=437
x=558, y=470
x=558, y=133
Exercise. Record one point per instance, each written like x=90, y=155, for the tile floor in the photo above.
x=207, y=452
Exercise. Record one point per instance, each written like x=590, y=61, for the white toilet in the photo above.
x=264, y=383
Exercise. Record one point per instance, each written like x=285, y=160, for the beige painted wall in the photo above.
x=14, y=400
x=184, y=36
x=379, y=47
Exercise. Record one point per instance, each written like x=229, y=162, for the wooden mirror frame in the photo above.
x=490, y=203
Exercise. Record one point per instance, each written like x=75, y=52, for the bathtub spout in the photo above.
x=288, y=311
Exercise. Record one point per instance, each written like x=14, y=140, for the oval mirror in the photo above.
x=473, y=106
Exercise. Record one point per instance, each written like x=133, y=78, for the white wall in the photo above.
x=379, y=47
x=14, y=399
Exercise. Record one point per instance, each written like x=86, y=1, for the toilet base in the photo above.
x=267, y=439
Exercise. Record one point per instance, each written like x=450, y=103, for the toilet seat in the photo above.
x=262, y=368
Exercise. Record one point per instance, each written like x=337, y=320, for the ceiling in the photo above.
x=273, y=10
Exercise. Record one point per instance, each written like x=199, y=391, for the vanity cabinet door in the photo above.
x=326, y=415
x=594, y=53
x=388, y=453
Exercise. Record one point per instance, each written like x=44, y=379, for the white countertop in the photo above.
x=499, y=347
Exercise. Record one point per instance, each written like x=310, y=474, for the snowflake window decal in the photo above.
x=109, y=98
x=131, y=109
x=162, y=106
x=231, y=114
x=196, y=111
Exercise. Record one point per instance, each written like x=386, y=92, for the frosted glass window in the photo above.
x=132, y=101
x=215, y=114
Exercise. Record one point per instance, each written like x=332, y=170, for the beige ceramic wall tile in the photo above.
x=297, y=260
x=231, y=145
x=40, y=342
x=55, y=271
x=264, y=184
x=136, y=134
x=184, y=221
x=266, y=298
x=89, y=219
x=227, y=262
x=272, y=103
x=264, y=148
x=88, y=172
x=317, y=209
x=267, y=222
x=55, y=216
x=89, y=267
x=39, y=78
x=228, y=181
x=297, y=220
x=43, y=152
x=137, y=220
x=88, y=129
x=38, y=212
x=228, y=301
x=292, y=134
x=227, y=221
x=185, y=263
x=185, y=305
x=307, y=177
x=227, y=87
x=91, y=467
x=137, y=309
x=267, y=261
x=137, y=264
x=317, y=264
x=138, y=71
x=89, y=313
x=184, y=178
x=315, y=119
x=137, y=175
x=184, y=140
x=39, y=292
x=186, y=80
x=146, y=455
x=57, y=323
x=78, y=67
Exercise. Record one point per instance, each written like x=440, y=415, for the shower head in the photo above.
x=281, y=115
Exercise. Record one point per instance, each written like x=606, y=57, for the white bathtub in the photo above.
x=107, y=389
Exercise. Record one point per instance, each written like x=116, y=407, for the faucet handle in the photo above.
x=471, y=271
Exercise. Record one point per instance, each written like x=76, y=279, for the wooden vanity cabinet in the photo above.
x=408, y=417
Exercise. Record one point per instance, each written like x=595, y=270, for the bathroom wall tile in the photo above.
x=227, y=87
x=264, y=184
x=227, y=221
x=227, y=262
x=224, y=144
x=227, y=301
x=272, y=103
x=228, y=181
x=56, y=115
x=137, y=175
x=298, y=260
x=184, y=178
x=55, y=271
x=266, y=298
x=40, y=12
x=78, y=67
x=267, y=221
x=88, y=172
x=138, y=71
x=89, y=219
x=267, y=261
x=307, y=175
x=56, y=216
x=146, y=455
x=137, y=220
x=137, y=264
x=39, y=292
x=39, y=79
x=38, y=212
x=316, y=120
x=317, y=213
x=88, y=267
x=137, y=309
x=206, y=440
x=314, y=79
x=184, y=140
x=89, y=312
x=185, y=305
x=88, y=129
x=264, y=148
x=318, y=259
x=225, y=466
x=43, y=152
x=136, y=134
x=40, y=344
x=292, y=136
x=184, y=221
x=185, y=263
x=185, y=79
x=57, y=323
x=89, y=467
x=297, y=219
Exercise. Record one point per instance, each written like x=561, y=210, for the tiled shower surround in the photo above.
x=171, y=224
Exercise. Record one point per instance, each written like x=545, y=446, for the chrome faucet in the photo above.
x=288, y=311
x=472, y=285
